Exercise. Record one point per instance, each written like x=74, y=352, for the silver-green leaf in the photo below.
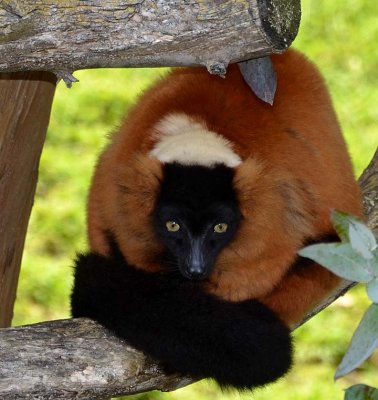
x=363, y=343
x=372, y=290
x=341, y=259
x=340, y=222
x=361, y=238
x=261, y=77
x=361, y=392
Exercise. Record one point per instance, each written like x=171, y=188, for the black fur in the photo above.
x=243, y=345
x=196, y=206
x=197, y=187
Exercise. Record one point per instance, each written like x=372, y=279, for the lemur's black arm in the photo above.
x=188, y=331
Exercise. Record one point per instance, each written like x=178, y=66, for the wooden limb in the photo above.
x=79, y=359
x=25, y=104
x=64, y=36
x=369, y=183
x=74, y=359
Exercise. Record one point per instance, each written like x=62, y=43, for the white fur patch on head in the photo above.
x=186, y=141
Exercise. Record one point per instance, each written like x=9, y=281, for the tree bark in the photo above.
x=79, y=359
x=74, y=359
x=64, y=36
x=369, y=184
x=25, y=104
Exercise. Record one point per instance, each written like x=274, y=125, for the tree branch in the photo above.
x=74, y=359
x=64, y=36
x=79, y=359
x=25, y=104
x=369, y=184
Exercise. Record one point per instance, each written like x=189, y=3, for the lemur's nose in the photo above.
x=196, y=270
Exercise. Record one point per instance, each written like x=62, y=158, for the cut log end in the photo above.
x=280, y=21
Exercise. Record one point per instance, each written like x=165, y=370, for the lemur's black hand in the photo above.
x=239, y=344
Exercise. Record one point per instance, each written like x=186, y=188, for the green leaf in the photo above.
x=351, y=229
x=372, y=290
x=261, y=77
x=340, y=222
x=363, y=343
x=361, y=238
x=341, y=259
x=361, y=392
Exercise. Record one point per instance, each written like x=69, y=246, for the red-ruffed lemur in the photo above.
x=196, y=212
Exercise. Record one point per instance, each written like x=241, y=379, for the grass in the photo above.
x=340, y=36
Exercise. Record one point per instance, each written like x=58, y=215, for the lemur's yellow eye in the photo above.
x=220, y=228
x=172, y=226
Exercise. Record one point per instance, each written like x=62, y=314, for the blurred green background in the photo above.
x=341, y=37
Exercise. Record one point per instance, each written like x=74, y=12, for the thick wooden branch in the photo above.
x=78, y=359
x=74, y=359
x=64, y=36
x=369, y=184
x=25, y=104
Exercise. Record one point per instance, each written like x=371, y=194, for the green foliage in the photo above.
x=364, y=342
x=356, y=259
x=372, y=289
x=340, y=258
x=361, y=392
x=340, y=37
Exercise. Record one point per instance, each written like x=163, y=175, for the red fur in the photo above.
x=295, y=169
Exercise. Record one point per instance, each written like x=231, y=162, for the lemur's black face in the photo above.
x=196, y=215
